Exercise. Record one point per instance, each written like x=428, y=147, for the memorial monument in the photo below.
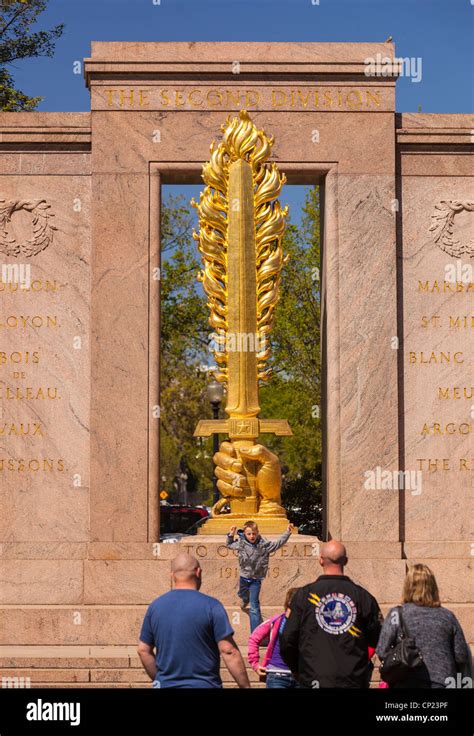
x=241, y=227
x=80, y=194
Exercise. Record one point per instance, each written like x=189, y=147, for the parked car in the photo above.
x=177, y=519
x=178, y=536
x=313, y=528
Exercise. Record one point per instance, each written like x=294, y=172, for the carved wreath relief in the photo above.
x=42, y=228
x=443, y=228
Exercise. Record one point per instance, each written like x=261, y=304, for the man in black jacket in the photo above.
x=332, y=623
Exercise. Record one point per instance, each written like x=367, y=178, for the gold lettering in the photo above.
x=461, y=322
x=304, y=100
x=130, y=98
x=20, y=430
x=450, y=428
x=179, y=99
x=425, y=321
x=282, y=100
x=358, y=102
x=328, y=99
x=252, y=98
x=373, y=97
x=436, y=288
x=214, y=98
x=233, y=98
x=435, y=358
x=432, y=464
x=32, y=465
x=19, y=358
x=29, y=394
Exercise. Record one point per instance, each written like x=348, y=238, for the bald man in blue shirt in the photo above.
x=185, y=633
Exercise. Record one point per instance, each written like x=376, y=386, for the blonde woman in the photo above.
x=436, y=631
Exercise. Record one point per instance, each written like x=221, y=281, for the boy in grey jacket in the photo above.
x=253, y=552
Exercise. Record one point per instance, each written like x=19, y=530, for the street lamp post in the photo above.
x=215, y=394
x=180, y=483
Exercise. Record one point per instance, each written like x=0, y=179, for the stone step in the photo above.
x=82, y=667
x=91, y=667
x=87, y=667
x=66, y=656
x=51, y=658
x=121, y=575
x=95, y=626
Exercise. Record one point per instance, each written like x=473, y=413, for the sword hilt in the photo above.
x=250, y=466
x=206, y=427
x=243, y=432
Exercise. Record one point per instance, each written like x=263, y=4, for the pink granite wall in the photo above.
x=437, y=297
x=44, y=355
x=340, y=127
x=77, y=539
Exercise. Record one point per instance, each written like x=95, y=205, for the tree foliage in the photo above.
x=293, y=392
x=184, y=341
x=18, y=41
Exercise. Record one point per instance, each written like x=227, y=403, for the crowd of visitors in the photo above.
x=326, y=636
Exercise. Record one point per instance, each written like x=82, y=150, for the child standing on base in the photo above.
x=253, y=552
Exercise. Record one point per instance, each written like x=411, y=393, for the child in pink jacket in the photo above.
x=278, y=674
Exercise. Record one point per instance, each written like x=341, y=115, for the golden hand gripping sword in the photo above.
x=241, y=227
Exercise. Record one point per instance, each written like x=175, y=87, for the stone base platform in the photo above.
x=219, y=525
x=70, y=614
x=83, y=667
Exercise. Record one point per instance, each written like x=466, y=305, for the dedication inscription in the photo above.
x=44, y=363
x=439, y=320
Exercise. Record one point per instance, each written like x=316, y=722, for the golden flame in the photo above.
x=241, y=140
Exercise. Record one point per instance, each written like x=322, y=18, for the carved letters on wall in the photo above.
x=42, y=228
x=443, y=228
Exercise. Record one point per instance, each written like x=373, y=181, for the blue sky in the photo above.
x=441, y=32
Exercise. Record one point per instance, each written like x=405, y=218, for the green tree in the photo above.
x=184, y=332
x=19, y=41
x=292, y=393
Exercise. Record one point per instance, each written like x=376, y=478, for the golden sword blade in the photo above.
x=241, y=227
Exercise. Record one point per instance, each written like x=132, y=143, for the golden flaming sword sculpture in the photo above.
x=241, y=228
